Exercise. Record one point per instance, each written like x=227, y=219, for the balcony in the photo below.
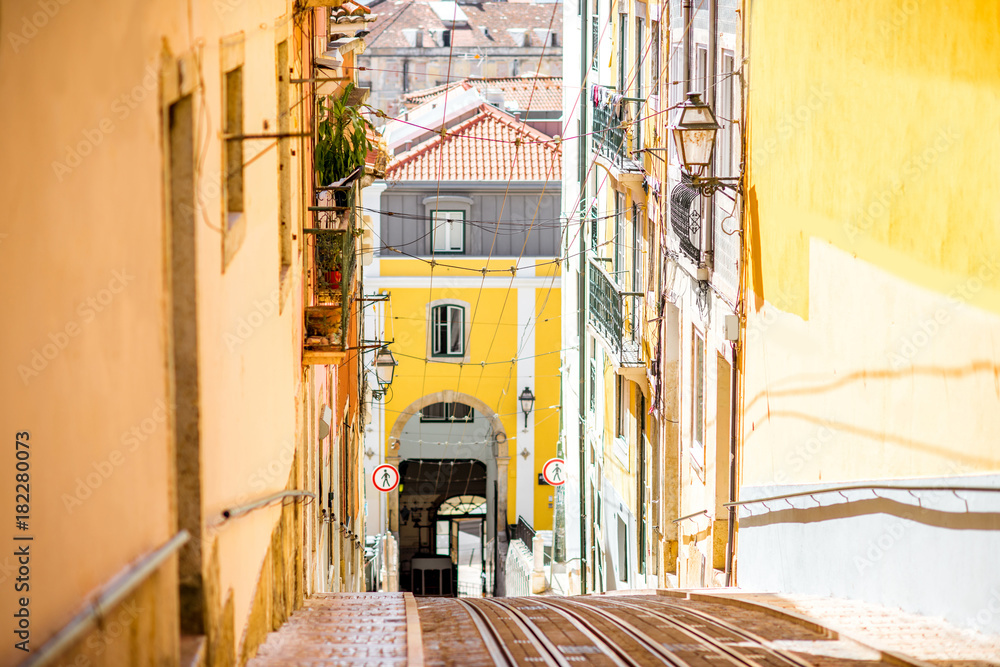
x=326, y=320
x=685, y=218
x=610, y=128
x=606, y=313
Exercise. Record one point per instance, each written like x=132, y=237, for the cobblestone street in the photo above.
x=669, y=627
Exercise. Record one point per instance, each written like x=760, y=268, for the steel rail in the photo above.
x=548, y=653
x=600, y=639
x=498, y=651
x=533, y=632
x=240, y=510
x=638, y=635
x=763, y=644
x=113, y=593
x=866, y=487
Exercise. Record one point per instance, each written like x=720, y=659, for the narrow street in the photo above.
x=637, y=630
x=459, y=333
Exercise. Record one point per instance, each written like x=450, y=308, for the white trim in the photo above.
x=527, y=475
x=425, y=282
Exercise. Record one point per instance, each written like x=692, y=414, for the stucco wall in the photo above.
x=874, y=291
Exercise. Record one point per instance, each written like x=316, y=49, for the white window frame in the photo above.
x=447, y=232
x=452, y=356
x=449, y=205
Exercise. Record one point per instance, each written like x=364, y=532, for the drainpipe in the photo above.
x=581, y=321
x=688, y=39
x=713, y=48
x=733, y=394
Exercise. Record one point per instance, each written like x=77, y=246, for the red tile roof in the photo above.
x=487, y=27
x=482, y=149
x=537, y=93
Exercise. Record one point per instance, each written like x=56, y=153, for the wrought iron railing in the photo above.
x=609, y=132
x=685, y=218
x=332, y=277
x=605, y=312
x=523, y=531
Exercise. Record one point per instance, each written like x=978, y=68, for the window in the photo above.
x=448, y=231
x=724, y=160
x=592, y=397
x=448, y=331
x=701, y=70
x=655, y=65
x=621, y=399
x=698, y=409
x=447, y=412
x=622, y=549
x=233, y=221
x=234, y=147
x=639, y=26
x=622, y=52
x=284, y=171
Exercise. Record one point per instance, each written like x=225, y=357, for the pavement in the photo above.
x=927, y=638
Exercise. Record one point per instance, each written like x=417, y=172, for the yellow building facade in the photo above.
x=469, y=271
x=873, y=295
x=179, y=444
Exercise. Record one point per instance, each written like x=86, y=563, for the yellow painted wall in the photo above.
x=873, y=287
x=82, y=269
x=493, y=338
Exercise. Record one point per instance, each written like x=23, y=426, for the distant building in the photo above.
x=468, y=230
x=537, y=100
x=419, y=45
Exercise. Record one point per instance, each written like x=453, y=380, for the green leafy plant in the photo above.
x=343, y=143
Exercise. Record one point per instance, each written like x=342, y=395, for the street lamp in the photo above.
x=385, y=368
x=694, y=138
x=527, y=401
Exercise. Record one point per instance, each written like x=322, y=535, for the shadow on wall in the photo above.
x=847, y=510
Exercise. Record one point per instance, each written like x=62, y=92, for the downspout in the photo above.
x=688, y=37
x=738, y=369
x=733, y=394
x=713, y=47
x=581, y=321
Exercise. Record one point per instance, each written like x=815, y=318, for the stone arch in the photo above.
x=449, y=396
x=499, y=450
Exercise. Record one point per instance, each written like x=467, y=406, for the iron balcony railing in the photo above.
x=332, y=277
x=685, y=218
x=610, y=128
x=606, y=313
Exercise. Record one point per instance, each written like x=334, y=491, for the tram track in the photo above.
x=566, y=632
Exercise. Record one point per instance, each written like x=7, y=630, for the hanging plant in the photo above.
x=342, y=143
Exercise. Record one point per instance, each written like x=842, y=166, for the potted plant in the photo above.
x=342, y=142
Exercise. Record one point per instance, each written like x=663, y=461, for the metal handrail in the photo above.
x=240, y=510
x=689, y=516
x=867, y=487
x=114, y=592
